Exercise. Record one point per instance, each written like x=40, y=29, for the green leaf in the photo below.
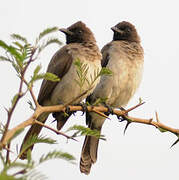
x=16, y=67
x=12, y=51
x=47, y=76
x=162, y=130
x=29, y=157
x=16, y=165
x=35, y=140
x=13, y=101
x=81, y=70
x=49, y=42
x=3, y=58
x=78, y=63
x=25, y=50
x=105, y=71
x=19, y=37
x=81, y=130
x=56, y=155
x=24, y=53
x=20, y=46
x=51, y=77
x=34, y=175
x=37, y=69
x=47, y=31
x=4, y=176
x=37, y=76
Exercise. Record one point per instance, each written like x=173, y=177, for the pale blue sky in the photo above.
x=144, y=152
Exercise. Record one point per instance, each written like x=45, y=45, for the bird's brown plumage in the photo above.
x=81, y=45
x=124, y=57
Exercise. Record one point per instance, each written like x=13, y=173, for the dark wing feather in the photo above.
x=104, y=63
x=59, y=65
x=105, y=54
x=88, y=116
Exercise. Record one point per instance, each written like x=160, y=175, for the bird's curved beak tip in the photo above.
x=66, y=31
x=115, y=29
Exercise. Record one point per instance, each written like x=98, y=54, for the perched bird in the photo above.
x=124, y=57
x=81, y=45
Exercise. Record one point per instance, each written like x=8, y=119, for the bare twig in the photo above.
x=157, y=118
x=32, y=93
x=7, y=154
x=23, y=171
x=54, y=130
x=100, y=113
x=134, y=107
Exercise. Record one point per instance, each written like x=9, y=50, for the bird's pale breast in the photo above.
x=68, y=83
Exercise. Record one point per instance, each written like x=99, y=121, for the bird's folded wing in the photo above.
x=105, y=54
x=59, y=65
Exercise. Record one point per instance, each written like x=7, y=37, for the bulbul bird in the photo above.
x=124, y=57
x=81, y=45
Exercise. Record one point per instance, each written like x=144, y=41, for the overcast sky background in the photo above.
x=144, y=152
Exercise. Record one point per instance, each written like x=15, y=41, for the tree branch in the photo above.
x=96, y=109
x=162, y=127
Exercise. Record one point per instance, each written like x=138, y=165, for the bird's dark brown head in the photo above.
x=125, y=31
x=78, y=33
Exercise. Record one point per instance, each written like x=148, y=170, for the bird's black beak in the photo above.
x=115, y=29
x=66, y=31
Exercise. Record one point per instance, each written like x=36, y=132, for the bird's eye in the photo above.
x=80, y=31
x=128, y=30
x=122, y=28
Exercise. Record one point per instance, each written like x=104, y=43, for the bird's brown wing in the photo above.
x=104, y=62
x=59, y=65
x=105, y=54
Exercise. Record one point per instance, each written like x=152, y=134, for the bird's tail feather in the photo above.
x=89, y=154
x=33, y=131
x=61, y=119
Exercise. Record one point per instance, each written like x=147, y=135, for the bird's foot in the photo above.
x=123, y=109
x=66, y=112
x=110, y=110
x=84, y=107
x=54, y=114
x=124, y=118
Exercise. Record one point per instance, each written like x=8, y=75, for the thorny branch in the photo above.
x=101, y=109
x=54, y=130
